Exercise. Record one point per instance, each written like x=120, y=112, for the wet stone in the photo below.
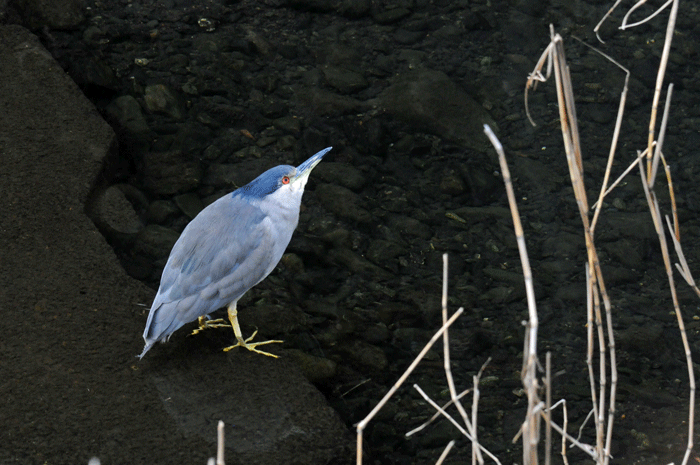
x=376, y=334
x=156, y=241
x=405, y=37
x=58, y=14
x=162, y=99
x=315, y=369
x=366, y=357
x=439, y=434
x=411, y=339
x=126, y=112
x=290, y=124
x=231, y=176
x=646, y=339
x=383, y=252
x=571, y=292
x=623, y=252
x=167, y=173
x=115, y=216
x=355, y=8
x=343, y=202
x=190, y=204
x=91, y=71
x=159, y=211
x=452, y=184
x=408, y=226
x=391, y=16
x=563, y=245
x=356, y=263
x=341, y=173
x=327, y=103
x=616, y=275
x=430, y=100
x=344, y=80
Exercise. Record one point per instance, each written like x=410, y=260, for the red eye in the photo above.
x=285, y=180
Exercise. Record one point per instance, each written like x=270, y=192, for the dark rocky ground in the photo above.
x=205, y=95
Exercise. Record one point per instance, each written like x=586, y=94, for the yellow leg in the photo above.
x=204, y=324
x=233, y=318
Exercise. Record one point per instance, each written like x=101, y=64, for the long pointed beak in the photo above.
x=305, y=168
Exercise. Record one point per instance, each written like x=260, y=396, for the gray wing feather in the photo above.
x=214, y=262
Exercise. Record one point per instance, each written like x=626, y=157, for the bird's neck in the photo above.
x=282, y=206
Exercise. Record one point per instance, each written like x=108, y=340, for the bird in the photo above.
x=229, y=247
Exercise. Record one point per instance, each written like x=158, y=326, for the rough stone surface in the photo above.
x=254, y=95
x=114, y=215
x=429, y=100
x=71, y=385
x=59, y=14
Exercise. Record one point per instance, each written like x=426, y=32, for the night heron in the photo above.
x=228, y=248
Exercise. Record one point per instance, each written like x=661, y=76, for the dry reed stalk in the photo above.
x=469, y=433
x=655, y=211
x=654, y=156
x=360, y=427
x=436, y=415
x=447, y=450
x=670, y=27
x=613, y=144
x=548, y=409
x=624, y=24
x=471, y=430
x=471, y=426
x=531, y=426
x=537, y=409
x=219, y=446
x=442, y=412
x=596, y=286
x=658, y=225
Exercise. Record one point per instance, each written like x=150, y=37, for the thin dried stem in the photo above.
x=572, y=145
x=598, y=293
x=683, y=267
x=600, y=23
x=659, y=143
x=531, y=425
x=447, y=450
x=624, y=24
x=589, y=340
x=622, y=176
x=674, y=210
x=563, y=436
x=447, y=367
x=536, y=76
x=454, y=422
x=616, y=136
x=658, y=225
x=363, y=423
x=590, y=450
x=548, y=411
x=476, y=448
x=563, y=428
x=220, y=443
x=436, y=415
x=670, y=26
x=569, y=127
x=442, y=412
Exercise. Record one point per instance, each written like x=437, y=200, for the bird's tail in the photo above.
x=163, y=321
x=149, y=344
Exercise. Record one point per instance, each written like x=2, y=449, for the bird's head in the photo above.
x=282, y=181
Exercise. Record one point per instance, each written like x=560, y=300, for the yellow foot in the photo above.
x=205, y=324
x=252, y=346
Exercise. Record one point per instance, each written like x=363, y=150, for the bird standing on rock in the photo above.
x=228, y=248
